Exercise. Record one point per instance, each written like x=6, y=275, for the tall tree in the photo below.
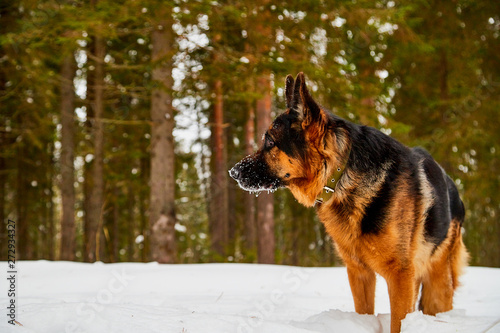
x=265, y=201
x=67, y=158
x=25, y=247
x=162, y=217
x=130, y=224
x=250, y=227
x=219, y=210
x=3, y=185
x=96, y=193
x=9, y=18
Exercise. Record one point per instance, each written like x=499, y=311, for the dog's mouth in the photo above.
x=253, y=175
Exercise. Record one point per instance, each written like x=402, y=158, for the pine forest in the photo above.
x=119, y=120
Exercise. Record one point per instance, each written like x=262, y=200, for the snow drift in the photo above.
x=136, y=297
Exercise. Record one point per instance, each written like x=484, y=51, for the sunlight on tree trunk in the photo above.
x=96, y=200
x=67, y=158
x=250, y=228
x=162, y=206
x=219, y=185
x=265, y=201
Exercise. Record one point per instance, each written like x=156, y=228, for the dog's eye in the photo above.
x=269, y=142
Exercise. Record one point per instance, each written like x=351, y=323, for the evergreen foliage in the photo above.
x=425, y=72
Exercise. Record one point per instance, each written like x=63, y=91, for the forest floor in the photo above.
x=134, y=297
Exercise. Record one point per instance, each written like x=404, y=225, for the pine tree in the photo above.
x=162, y=203
x=219, y=200
x=94, y=245
x=67, y=158
x=265, y=201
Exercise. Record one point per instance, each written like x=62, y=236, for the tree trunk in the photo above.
x=3, y=184
x=219, y=182
x=250, y=228
x=87, y=191
x=67, y=159
x=48, y=242
x=115, y=236
x=162, y=206
x=97, y=189
x=130, y=224
x=87, y=167
x=232, y=221
x=24, y=243
x=143, y=208
x=24, y=240
x=265, y=201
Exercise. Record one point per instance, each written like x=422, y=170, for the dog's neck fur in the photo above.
x=332, y=180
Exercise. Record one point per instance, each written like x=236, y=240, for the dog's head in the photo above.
x=295, y=150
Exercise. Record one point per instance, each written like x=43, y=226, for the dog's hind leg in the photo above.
x=440, y=282
x=437, y=289
x=362, y=281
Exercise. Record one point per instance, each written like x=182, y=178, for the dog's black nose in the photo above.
x=235, y=173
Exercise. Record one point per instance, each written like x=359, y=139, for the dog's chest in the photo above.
x=352, y=244
x=342, y=228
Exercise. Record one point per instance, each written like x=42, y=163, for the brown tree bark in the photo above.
x=67, y=159
x=87, y=168
x=87, y=191
x=49, y=241
x=265, y=201
x=3, y=184
x=130, y=224
x=250, y=228
x=219, y=209
x=115, y=235
x=25, y=244
x=96, y=194
x=162, y=206
x=145, y=164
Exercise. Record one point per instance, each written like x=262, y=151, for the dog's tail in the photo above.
x=459, y=257
x=457, y=208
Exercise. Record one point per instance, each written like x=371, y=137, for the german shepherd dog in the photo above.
x=389, y=209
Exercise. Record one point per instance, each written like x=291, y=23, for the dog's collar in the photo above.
x=332, y=182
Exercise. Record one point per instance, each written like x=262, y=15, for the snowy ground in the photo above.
x=130, y=297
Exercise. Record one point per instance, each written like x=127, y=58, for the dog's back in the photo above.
x=447, y=205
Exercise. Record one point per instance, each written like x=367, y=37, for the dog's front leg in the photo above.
x=362, y=281
x=401, y=295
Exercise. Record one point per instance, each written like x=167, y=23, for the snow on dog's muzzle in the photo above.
x=253, y=175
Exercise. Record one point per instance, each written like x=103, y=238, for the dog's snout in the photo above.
x=253, y=174
x=235, y=173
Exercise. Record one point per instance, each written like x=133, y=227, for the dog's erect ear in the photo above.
x=302, y=102
x=289, y=91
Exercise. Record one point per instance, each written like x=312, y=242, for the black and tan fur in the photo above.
x=394, y=212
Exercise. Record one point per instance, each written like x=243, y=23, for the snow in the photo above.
x=137, y=297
